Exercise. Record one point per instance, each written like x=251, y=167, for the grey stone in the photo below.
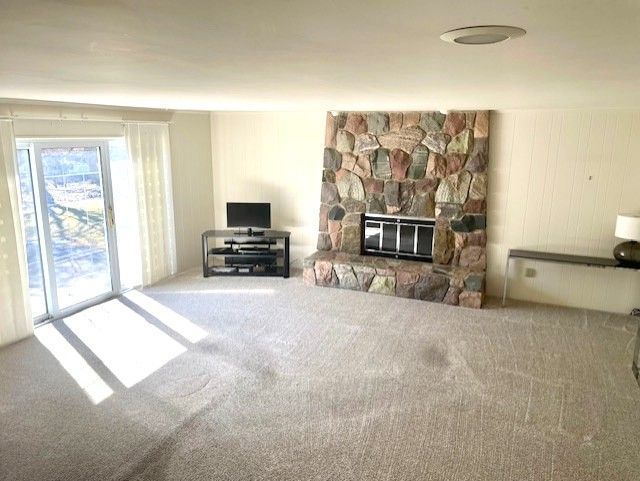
x=332, y=159
x=378, y=122
x=329, y=193
x=432, y=121
x=478, y=188
x=383, y=285
x=432, y=287
x=336, y=213
x=365, y=275
x=469, y=223
x=418, y=162
x=345, y=141
x=351, y=239
x=422, y=205
x=349, y=185
x=392, y=193
x=461, y=143
x=346, y=277
x=324, y=242
x=328, y=176
x=436, y=141
x=454, y=188
x=375, y=204
x=406, y=283
x=404, y=139
x=449, y=211
x=365, y=143
x=352, y=205
x=380, y=164
x=474, y=282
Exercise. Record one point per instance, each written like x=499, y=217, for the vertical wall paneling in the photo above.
x=557, y=179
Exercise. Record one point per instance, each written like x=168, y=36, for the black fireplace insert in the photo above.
x=397, y=236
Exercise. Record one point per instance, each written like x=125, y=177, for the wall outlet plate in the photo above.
x=529, y=272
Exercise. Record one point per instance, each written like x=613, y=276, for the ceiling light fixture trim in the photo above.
x=482, y=34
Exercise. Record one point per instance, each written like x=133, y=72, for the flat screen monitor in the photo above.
x=249, y=214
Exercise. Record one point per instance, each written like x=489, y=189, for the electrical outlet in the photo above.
x=529, y=272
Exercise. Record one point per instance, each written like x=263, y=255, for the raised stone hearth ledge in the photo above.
x=447, y=284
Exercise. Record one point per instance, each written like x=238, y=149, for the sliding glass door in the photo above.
x=69, y=225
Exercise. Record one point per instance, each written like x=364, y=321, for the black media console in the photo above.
x=244, y=254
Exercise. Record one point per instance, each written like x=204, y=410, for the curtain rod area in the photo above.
x=83, y=119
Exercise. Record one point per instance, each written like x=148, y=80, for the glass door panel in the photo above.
x=37, y=292
x=74, y=195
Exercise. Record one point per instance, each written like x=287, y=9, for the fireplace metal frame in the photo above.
x=397, y=221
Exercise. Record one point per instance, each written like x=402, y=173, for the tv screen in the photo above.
x=248, y=214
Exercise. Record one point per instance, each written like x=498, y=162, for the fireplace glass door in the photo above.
x=400, y=237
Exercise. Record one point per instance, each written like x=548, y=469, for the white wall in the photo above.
x=271, y=157
x=190, y=136
x=557, y=180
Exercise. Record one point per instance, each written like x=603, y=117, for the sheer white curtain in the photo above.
x=15, y=312
x=149, y=151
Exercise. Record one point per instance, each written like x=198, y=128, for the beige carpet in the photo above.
x=301, y=383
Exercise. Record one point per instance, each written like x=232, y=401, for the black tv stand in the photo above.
x=249, y=232
x=249, y=253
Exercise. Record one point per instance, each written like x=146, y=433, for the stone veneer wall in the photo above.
x=416, y=164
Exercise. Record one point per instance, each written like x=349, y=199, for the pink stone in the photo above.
x=452, y=296
x=437, y=165
x=426, y=185
x=474, y=206
x=334, y=226
x=323, y=273
x=363, y=166
x=356, y=123
x=454, y=123
x=336, y=240
x=470, y=299
x=373, y=186
x=473, y=257
x=400, y=162
x=309, y=276
x=455, y=162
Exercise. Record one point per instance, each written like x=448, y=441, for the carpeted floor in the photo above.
x=301, y=383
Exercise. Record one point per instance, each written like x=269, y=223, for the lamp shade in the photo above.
x=628, y=226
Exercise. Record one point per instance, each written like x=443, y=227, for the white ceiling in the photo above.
x=326, y=54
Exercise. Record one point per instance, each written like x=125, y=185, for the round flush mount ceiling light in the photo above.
x=482, y=34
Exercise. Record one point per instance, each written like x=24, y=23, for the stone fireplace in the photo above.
x=402, y=207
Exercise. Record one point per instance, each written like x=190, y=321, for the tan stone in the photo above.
x=330, y=131
x=324, y=273
x=395, y=120
x=405, y=139
x=324, y=217
x=410, y=119
x=481, y=125
x=470, y=299
x=348, y=161
x=344, y=141
x=478, y=188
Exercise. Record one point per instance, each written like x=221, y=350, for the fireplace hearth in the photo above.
x=398, y=236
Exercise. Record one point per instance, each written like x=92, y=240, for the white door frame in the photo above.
x=44, y=230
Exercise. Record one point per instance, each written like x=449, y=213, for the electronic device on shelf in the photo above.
x=255, y=255
x=247, y=216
